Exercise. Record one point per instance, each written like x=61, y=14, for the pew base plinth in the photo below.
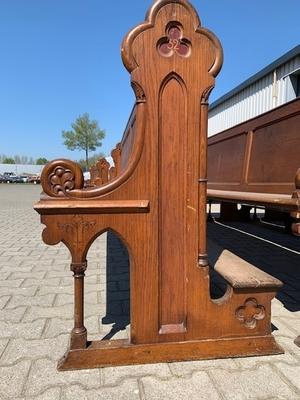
x=109, y=353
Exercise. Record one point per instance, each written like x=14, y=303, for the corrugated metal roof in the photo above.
x=269, y=68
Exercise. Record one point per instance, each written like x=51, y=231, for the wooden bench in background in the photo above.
x=255, y=164
x=154, y=199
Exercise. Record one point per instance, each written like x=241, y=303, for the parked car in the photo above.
x=12, y=179
x=24, y=178
x=34, y=179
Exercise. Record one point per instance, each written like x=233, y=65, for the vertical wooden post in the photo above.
x=79, y=332
x=203, y=258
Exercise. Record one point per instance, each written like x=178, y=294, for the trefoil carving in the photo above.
x=174, y=43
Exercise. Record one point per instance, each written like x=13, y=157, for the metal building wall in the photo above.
x=269, y=92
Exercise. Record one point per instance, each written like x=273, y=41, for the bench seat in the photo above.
x=282, y=202
x=237, y=272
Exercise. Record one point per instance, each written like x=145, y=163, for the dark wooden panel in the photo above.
x=226, y=160
x=275, y=154
x=272, y=158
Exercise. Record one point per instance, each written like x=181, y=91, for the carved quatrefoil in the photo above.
x=174, y=43
x=250, y=313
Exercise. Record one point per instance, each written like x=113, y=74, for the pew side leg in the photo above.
x=79, y=332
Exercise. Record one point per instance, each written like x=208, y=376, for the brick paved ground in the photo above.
x=36, y=307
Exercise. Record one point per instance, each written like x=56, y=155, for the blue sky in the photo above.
x=61, y=58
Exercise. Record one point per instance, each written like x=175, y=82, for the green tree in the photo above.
x=41, y=161
x=85, y=135
x=92, y=160
x=8, y=160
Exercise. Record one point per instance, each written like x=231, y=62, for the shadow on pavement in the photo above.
x=117, y=286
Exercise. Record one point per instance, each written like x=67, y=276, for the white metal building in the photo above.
x=271, y=87
x=21, y=169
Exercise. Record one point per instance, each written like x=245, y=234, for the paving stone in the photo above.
x=60, y=273
x=66, y=289
x=11, y=267
x=14, y=315
x=12, y=379
x=12, y=283
x=41, y=282
x=43, y=263
x=29, y=330
x=60, y=311
x=23, y=275
x=33, y=349
x=5, y=275
x=128, y=390
x=58, y=326
x=3, y=301
x=89, y=298
x=188, y=367
x=112, y=376
x=16, y=291
x=292, y=323
x=3, y=344
x=197, y=387
x=282, y=325
x=259, y=383
x=50, y=394
x=288, y=345
x=44, y=375
x=16, y=301
x=292, y=374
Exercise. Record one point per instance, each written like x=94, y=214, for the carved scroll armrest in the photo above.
x=60, y=177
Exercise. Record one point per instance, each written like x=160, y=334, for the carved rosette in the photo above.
x=250, y=313
x=60, y=177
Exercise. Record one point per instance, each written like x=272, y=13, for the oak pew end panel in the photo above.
x=173, y=63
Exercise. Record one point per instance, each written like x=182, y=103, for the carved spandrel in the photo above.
x=77, y=228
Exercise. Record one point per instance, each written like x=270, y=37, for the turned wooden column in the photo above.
x=79, y=332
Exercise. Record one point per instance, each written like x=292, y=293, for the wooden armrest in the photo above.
x=91, y=206
x=237, y=272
